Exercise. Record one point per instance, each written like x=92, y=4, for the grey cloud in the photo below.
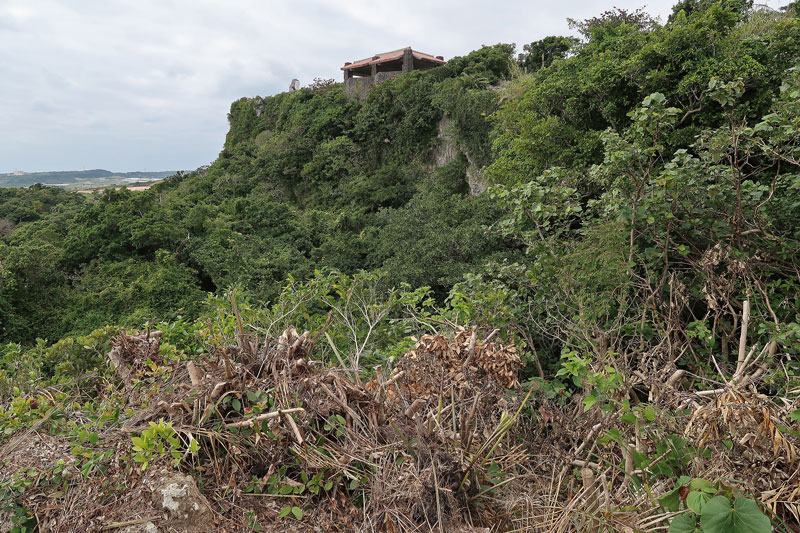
x=7, y=25
x=42, y=106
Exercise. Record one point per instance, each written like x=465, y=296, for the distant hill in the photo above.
x=80, y=179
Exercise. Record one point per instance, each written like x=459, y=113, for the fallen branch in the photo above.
x=266, y=416
x=295, y=429
x=740, y=361
x=117, y=525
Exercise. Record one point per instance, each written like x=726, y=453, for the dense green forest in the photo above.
x=639, y=232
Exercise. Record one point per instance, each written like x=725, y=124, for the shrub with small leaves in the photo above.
x=159, y=440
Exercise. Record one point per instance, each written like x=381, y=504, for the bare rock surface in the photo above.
x=183, y=506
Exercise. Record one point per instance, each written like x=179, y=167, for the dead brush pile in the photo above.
x=258, y=434
x=656, y=440
x=268, y=431
x=758, y=428
x=588, y=469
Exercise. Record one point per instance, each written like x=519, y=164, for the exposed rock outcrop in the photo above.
x=177, y=496
x=447, y=151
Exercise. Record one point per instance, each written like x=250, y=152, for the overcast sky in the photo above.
x=146, y=84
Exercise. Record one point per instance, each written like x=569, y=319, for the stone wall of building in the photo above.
x=383, y=76
x=357, y=87
x=360, y=87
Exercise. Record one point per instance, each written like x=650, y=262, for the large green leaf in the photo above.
x=700, y=484
x=696, y=500
x=743, y=517
x=684, y=523
x=700, y=491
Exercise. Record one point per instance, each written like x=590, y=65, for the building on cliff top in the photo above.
x=360, y=76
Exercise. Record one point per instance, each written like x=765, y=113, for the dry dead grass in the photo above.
x=446, y=441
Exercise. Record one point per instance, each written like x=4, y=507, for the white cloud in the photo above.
x=134, y=84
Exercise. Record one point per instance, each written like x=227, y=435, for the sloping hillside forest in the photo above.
x=547, y=287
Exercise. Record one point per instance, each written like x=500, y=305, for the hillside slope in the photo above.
x=607, y=339
x=305, y=180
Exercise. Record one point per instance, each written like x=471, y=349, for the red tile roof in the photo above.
x=392, y=56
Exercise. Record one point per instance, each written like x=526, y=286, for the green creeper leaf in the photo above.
x=252, y=396
x=628, y=418
x=684, y=523
x=702, y=485
x=297, y=512
x=588, y=402
x=696, y=500
x=285, y=512
x=236, y=404
x=795, y=415
x=743, y=517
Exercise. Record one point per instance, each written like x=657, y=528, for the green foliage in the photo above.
x=336, y=424
x=489, y=64
x=468, y=104
x=713, y=508
x=288, y=510
x=22, y=520
x=24, y=368
x=595, y=27
x=445, y=234
x=158, y=441
x=88, y=460
x=562, y=109
x=364, y=317
x=654, y=213
x=719, y=516
x=540, y=54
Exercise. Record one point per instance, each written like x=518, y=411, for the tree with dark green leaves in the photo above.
x=540, y=54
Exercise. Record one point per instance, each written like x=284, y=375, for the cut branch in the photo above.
x=266, y=416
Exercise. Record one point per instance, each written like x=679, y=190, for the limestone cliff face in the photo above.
x=447, y=151
x=477, y=183
x=258, y=106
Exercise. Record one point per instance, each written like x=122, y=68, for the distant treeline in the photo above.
x=75, y=176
